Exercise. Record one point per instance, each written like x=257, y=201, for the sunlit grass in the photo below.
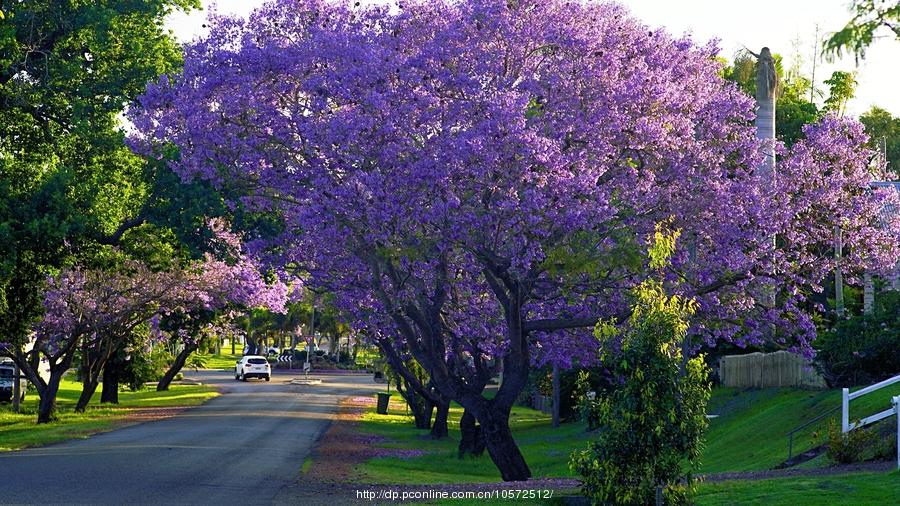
x=750, y=434
x=224, y=361
x=864, y=489
x=545, y=449
x=20, y=430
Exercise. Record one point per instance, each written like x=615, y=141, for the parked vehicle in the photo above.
x=7, y=381
x=252, y=366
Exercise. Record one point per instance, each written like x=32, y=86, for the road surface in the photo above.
x=240, y=448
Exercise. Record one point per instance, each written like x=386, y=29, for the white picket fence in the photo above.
x=847, y=426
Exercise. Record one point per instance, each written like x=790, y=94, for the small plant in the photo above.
x=885, y=447
x=587, y=401
x=197, y=361
x=651, y=423
x=849, y=447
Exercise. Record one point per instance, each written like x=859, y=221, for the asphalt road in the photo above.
x=240, y=448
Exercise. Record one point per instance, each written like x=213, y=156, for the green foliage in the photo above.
x=67, y=181
x=842, y=87
x=588, y=403
x=196, y=361
x=883, y=130
x=862, y=349
x=869, y=18
x=146, y=366
x=651, y=424
x=849, y=447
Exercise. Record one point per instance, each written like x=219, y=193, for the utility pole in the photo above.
x=838, y=275
x=812, y=82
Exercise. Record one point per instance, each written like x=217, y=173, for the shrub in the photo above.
x=197, y=361
x=886, y=447
x=144, y=367
x=863, y=349
x=850, y=447
x=586, y=395
x=651, y=424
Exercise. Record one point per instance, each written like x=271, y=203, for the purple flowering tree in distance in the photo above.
x=92, y=309
x=483, y=175
x=81, y=308
x=215, y=287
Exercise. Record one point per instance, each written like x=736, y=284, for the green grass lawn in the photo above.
x=224, y=361
x=20, y=430
x=749, y=434
x=875, y=489
x=545, y=449
x=751, y=431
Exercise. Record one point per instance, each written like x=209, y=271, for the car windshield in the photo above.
x=257, y=361
x=6, y=372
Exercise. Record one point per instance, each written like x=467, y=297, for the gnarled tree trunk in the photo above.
x=175, y=368
x=439, y=427
x=110, y=393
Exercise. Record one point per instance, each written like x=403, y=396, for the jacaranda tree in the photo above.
x=483, y=175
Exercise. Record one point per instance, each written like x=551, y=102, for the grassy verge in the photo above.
x=751, y=430
x=224, y=361
x=749, y=434
x=873, y=489
x=545, y=449
x=20, y=430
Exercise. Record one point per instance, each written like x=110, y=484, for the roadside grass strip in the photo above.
x=861, y=489
x=19, y=431
x=749, y=435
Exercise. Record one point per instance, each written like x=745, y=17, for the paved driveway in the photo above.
x=240, y=448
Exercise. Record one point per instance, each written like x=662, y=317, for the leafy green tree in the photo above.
x=68, y=183
x=870, y=17
x=841, y=88
x=650, y=427
x=884, y=133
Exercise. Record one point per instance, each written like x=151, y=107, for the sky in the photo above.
x=788, y=27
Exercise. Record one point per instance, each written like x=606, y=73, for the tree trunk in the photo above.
x=47, y=404
x=555, y=395
x=471, y=441
x=110, y=393
x=87, y=391
x=420, y=407
x=502, y=447
x=176, y=367
x=439, y=428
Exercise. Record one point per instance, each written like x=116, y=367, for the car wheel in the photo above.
x=237, y=377
x=268, y=378
x=243, y=378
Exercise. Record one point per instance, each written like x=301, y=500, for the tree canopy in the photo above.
x=474, y=180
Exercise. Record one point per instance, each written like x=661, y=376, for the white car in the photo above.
x=7, y=381
x=252, y=366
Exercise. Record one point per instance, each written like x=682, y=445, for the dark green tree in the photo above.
x=884, y=134
x=68, y=183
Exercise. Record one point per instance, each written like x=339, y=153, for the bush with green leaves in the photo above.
x=848, y=447
x=585, y=394
x=145, y=365
x=651, y=424
x=862, y=349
